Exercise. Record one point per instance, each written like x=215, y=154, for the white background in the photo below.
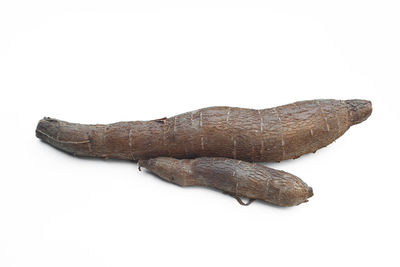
x=108, y=61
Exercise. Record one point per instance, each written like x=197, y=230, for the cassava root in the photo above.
x=273, y=134
x=235, y=177
x=218, y=138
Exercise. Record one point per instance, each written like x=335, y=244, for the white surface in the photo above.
x=101, y=62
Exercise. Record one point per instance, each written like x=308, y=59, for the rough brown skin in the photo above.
x=238, y=178
x=273, y=134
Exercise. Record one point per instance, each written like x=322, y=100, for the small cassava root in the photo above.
x=274, y=134
x=235, y=177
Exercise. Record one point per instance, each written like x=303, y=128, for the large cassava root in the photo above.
x=273, y=134
x=238, y=178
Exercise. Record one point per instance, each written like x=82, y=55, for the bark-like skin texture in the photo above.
x=238, y=178
x=273, y=134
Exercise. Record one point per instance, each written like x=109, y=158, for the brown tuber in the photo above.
x=273, y=134
x=238, y=178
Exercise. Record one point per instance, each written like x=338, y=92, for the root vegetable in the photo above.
x=274, y=134
x=238, y=178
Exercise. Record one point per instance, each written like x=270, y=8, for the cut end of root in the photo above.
x=359, y=110
x=310, y=192
x=67, y=137
x=47, y=128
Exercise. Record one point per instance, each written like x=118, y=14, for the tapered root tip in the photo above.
x=143, y=163
x=158, y=164
x=359, y=110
